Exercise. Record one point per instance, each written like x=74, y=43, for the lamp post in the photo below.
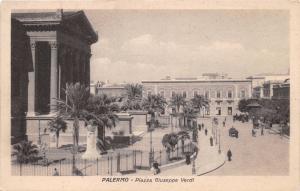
x=219, y=142
x=150, y=129
x=193, y=167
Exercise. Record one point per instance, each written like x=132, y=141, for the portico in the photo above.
x=60, y=44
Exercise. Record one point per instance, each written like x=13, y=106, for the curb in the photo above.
x=219, y=166
x=175, y=164
x=277, y=132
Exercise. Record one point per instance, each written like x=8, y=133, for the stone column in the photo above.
x=82, y=64
x=87, y=76
x=70, y=65
x=31, y=84
x=62, y=72
x=54, y=74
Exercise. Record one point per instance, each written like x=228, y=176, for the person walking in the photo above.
x=253, y=133
x=229, y=155
x=224, y=123
x=202, y=126
x=205, y=132
x=262, y=131
x=211, y=141
x=55, y=173
x=199, y=127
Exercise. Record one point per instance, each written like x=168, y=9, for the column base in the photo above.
x=31, y=114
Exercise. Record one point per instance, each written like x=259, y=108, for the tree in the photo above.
x=199, y=101
x=177, y=101
x=182, y=136
x=154, y=104
x=74, y=107
x=56, y=125
x=134, y=91
x=188, y=114
x=103, y=109
x=133, y=98
x=169, y=141
x=25, y=152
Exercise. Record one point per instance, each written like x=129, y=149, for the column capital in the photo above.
x=53, y=44
x=33, y=44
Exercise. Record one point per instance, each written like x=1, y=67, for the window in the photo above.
x=229, y=95
x=218, y=94
x=184, y=94
x=243, y=94
x=207, y=94
x=229, y=110
x=162, y=94
x=219, y=112
x=173, y=93
x=195, y=93
x=149, y=93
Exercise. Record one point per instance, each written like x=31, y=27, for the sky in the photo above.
x=136, y=45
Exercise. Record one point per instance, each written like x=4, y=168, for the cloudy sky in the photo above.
x=137, y=45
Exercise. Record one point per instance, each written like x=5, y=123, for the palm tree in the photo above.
x=177, y=101
x=103, y=110
x=133, y=97
x=182, y=136
x=188, y=114
x=56, y=125
x=134, y=91
x=154, y=104
x=25, y=151
x=199, y=101
x=169, y=141
x=74, y=107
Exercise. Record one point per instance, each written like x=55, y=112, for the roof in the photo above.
x=196, y=81
x=58, y=18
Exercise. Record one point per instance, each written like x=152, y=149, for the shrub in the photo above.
x=26, y=152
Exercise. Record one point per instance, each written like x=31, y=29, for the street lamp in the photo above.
x=150, y=129
x=219, y=142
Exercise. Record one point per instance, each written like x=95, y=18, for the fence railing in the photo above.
x=113, y=164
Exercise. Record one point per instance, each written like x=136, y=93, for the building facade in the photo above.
x=263, y=84
x=55, y=47
x=282, y=90
x=223, y=94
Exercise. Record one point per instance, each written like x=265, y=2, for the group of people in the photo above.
x=254, y=132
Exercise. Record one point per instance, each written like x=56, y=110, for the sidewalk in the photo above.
x=208, y=160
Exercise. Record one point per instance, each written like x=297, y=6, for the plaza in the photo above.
x=77, y=127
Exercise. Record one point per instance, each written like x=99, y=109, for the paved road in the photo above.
x=260, y=155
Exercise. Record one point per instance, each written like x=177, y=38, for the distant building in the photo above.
x=112, y=90
x=282, y=90
x=262, y=84
x=49, y=49
x=224, y=94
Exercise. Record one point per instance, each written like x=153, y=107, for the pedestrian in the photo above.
x=211, y=141
x=262, y=131
x=55, y=173
x=229, y=155
x=202, y=126
x=223, y=123
x=188, y=159
x=155, y=168
x=199, y=127
x=253, y=133
x=205, y=132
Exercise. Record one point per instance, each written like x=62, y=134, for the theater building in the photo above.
x=223, y=94
x=49, y=50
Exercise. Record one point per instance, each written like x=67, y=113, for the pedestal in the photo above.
x=91, y=149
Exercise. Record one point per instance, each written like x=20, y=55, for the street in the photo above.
x=261, y=155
